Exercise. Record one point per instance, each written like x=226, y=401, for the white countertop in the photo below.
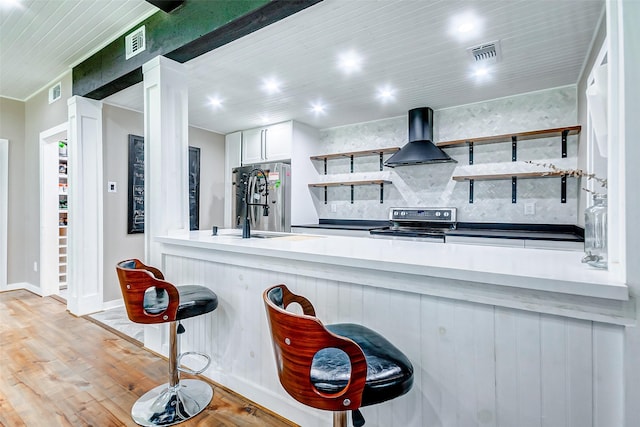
x=532, y=269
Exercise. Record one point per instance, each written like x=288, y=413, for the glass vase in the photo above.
x=595, y=232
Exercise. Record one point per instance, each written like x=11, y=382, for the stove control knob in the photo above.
x=437, y=213
x=446, y=214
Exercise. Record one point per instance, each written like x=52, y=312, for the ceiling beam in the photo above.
x=166, y=5
x=197, y=27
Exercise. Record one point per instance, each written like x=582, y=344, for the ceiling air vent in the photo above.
x=55, y=92
x=135, y=43
x=489, y=53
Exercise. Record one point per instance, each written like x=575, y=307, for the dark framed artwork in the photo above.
x=135, y=216
x=194, y=188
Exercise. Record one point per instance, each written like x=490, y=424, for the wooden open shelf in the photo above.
x=380, y=182
x=380, y=152
x=521, y=136
x=486, y=177
x=363, y=153
x=347, y=183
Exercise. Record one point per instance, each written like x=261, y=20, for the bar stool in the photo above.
x=339, y=367
x=150, y=299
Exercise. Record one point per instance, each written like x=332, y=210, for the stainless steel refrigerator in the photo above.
x=273, y=191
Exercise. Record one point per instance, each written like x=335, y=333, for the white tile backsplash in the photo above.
x=431, y=185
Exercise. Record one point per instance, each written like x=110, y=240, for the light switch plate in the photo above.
x=112, y=187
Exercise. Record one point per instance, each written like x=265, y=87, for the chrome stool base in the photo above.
x=166, y=405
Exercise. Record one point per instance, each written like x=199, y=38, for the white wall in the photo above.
x=211, y=176
x=118, y=244
x=12, y=128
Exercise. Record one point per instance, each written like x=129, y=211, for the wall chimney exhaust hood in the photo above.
x=420, y=149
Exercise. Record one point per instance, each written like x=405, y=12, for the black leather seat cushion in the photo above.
x=194, y=301
x=389, y=372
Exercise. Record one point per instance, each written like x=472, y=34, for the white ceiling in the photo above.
x=40, y=40
x=406, y=44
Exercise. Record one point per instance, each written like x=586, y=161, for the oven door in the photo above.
x=412, y=235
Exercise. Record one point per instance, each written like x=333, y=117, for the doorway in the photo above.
x=53, y=241
x=4, y=206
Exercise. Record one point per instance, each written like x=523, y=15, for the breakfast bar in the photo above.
x=459, y=312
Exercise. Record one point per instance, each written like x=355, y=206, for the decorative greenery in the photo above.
x=576, y=173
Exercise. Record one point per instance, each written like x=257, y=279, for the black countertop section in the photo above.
x=556, y=232
x=347, y=224
x=553, y=232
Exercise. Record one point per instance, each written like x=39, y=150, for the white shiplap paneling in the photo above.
x=475, y=364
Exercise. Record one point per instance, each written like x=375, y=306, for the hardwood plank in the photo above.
x=62, y=370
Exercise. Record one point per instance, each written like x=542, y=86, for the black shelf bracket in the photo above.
x=470, y=191
x=351, y=194
x=470, y=153
x=564, y=142
x=352, y=164
x=381, y=193
x=325, y=168
x=514, y=189
x=514, y=148
x=381, y=161
x=325, y=194
x=563, y=189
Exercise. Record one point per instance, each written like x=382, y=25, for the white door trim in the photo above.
x=49, y=254
x=4, y=210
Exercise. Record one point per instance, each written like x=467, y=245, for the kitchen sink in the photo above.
x=255, y=235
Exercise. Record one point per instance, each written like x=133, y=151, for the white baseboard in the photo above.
x=24, y=285
x=113, y=304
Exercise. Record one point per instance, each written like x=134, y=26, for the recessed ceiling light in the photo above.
x=318, y=108
x=264, y=118
x=215, y=102
x=6, y=4
x=386, y=94
x=481, y=72
x=271, y=85
x=349, y=62
x=465, y=26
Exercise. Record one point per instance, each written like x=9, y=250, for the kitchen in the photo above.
x=505, y=336
x=489, y=319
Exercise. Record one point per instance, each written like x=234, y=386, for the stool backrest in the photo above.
x=296, y=339
x=136, y=279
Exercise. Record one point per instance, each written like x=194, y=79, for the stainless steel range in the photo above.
x=418, y=224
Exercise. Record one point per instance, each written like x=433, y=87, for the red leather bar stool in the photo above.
x=339, y=367
x=150, y=299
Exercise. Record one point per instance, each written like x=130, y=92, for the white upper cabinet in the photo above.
x=267, y=144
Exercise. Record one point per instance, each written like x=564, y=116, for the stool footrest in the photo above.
x=191, y=371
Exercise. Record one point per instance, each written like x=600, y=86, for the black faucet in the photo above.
x=260, y=174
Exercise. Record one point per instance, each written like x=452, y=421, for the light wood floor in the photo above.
x=60, y=370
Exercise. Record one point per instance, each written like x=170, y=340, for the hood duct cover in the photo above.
x=420, y=149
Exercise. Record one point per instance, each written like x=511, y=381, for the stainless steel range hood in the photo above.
x=420, y=149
